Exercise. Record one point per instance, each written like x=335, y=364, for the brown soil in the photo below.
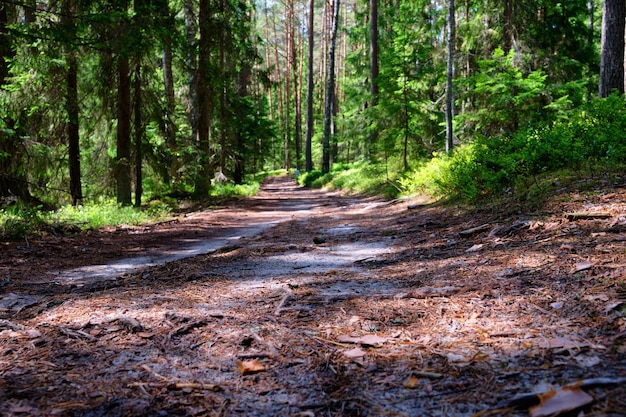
x=318, y=304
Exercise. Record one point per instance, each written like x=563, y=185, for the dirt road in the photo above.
x=310, y=303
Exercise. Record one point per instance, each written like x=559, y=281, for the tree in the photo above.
x=374, y=67
x=612, y=47
x=169, y=115
x=71, y=106
x=123, y=143
x=293, y=64
x=202, y=180
x=310, y=122
x=11, y=184
x=329, y=102
x=450, y=78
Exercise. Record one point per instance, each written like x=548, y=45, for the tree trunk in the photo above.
x=287, y=92
x=278, y=78
x=310, y=122
x=612, y=47
x=450, y=78
x=139, y=132
x=192, y=65
x=330, y=91
x=170, y=100
x=293, y=64
x=123, y=143
x=71, y=108
x=373, y=68
x=507, y=27
x=6, y=52
x=122, y=160
x=221, y=45
x=202, y=181
x=243, y=79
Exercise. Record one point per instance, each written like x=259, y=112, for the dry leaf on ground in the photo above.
x=582, y=266
x=560, y=401
x=368, y=340
x=355, y=353
x=411, y=383
x=250, y=367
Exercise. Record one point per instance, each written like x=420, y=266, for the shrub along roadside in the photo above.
x=357, y=178
x=522, y=164
x=592, y=140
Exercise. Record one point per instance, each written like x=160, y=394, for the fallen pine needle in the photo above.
x=177, y=385
x=332, y=342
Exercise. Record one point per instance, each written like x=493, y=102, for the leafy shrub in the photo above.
x=234, y=190
x=17, y=222
x=594, y=136
x=314, y=178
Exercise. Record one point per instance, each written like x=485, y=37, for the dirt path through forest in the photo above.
x=310, y=303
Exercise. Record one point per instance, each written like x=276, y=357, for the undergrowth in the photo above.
x=357, y=178
x=17, y=221
x=525, y=166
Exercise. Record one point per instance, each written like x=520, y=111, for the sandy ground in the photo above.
x=302, y=302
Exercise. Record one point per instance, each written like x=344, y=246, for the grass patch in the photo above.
x=17, y=222
x=357, y=178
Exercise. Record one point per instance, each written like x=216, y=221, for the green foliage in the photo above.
x=101, y=214
x=234, y=190
x=592, y=138
x=359, y=178
x=315, y=178
x=363, y=178
x=16, y=221
x=505, y=98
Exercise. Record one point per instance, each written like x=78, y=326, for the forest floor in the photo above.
x=301, y=302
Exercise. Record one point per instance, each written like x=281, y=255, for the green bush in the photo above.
x=16, y=222
x=314, y=178
x=593, y=137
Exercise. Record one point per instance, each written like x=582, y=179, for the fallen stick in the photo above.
x=587, y=215
x=177, y=385
x=282, y=303
x=272, y=351
x=474, y=230
x=529, y=399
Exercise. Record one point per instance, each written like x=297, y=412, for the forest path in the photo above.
x=337, y=306
x=61, y=259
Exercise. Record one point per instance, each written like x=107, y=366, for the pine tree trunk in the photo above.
x=192, y=65
x=202, y=181
x=330, y=92
x=373, y=68
x=310, y=85
x=170, y=100
x=122, y=159
x=612, y=47
x=221, y=44
x=12, y=183
x=123, y=141
x=139, y=132
x=278, y=78
x=243, y=79
x=72, y=109
x=450, y=78
x=293, y=63
x=507, y=27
